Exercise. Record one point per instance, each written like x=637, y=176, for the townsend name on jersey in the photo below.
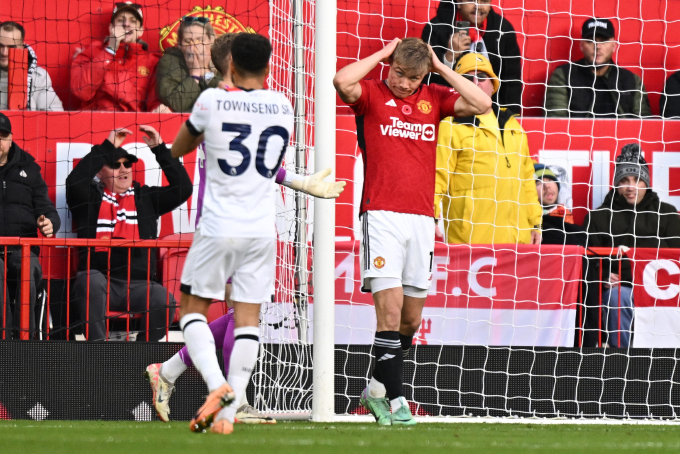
x=415, y=131
x=253, y=107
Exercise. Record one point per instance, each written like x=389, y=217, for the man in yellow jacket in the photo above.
x=485, y=177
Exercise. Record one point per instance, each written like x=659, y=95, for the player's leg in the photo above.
x=253, y=284
x=382, y=256
x=209, y=262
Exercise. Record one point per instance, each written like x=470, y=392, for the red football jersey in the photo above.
x=398, y=140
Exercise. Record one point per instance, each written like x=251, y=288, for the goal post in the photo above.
x=324, y=215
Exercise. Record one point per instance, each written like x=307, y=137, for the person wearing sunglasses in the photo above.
x=107, y=203
x=117, y=73
x=25, y=209
x=485, y=188
x=186, y=70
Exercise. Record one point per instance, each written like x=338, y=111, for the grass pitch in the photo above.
x=73, y=437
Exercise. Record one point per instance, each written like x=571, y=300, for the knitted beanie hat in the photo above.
x=631, y=163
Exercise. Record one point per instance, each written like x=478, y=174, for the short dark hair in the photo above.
x=9, y=25
x=220, y=51
x=250, y=53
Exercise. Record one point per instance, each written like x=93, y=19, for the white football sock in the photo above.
x=173, y=368
x=241, y=365
x=376, y=389
x=397, y=403
x=201, y=345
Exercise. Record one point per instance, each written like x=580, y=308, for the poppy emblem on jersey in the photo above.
x=143, y=70
x=406, y=109
x=379, y=262
x=424, y=106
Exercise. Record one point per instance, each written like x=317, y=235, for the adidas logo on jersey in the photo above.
x=391, y=103
x=414, y=131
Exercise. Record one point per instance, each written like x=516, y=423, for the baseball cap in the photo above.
x=597, y=27
x=5, y=124
x=477, y=62
x=120, y=153
x=133, y=8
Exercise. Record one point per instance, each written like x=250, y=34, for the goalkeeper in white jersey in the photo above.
x=246, y=130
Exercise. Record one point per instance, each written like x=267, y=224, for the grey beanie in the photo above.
x=631, y=162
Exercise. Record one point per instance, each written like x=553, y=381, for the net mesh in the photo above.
x=508, y=329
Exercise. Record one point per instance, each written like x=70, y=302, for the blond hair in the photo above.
x=413, y=54
x=220, y=51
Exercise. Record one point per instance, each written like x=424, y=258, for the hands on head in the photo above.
x=152, y=138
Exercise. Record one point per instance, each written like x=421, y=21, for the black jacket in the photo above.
x=669, y=104
x=84, y=198
x=501, y=42
x=650, y=224
x=571, y=92
x=24, y=197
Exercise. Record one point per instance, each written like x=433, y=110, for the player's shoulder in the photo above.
x=437, y=90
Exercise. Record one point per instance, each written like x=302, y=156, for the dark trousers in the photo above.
x=10, y=294
x=118, y=302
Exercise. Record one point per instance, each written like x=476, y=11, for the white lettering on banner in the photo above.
x=472, y=277
x=439, y=274
x=346, y=267
x=649, y=279
x=406, y=130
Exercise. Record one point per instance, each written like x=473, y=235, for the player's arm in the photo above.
x=186, y=141
x=347, y=80
x=473, y=101
x=312, y=184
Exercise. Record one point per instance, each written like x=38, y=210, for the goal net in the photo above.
x=509, y=329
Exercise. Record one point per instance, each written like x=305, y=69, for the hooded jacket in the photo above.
x=41, y=95
x=24, y=197
x=84, y=198
x=669, y=103
x=571, y=92
x=501, y=43
x=649, y=224
x=176, y=88
x=122, y=82
x=485, y=181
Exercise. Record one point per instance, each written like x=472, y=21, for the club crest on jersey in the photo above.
x=424, y=106
x=379, y=262
x=406, y=109
x=414, y=131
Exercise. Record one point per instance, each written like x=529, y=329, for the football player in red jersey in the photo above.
x=397, y=124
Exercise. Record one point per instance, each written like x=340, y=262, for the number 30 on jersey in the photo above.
x=237, y=145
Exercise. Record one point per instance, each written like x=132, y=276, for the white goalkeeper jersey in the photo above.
x=246, y=135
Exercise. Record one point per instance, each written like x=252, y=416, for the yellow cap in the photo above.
x=477, y=62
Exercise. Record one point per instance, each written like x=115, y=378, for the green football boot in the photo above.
x=379, y=408
x=403, y=416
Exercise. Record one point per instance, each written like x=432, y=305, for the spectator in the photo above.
x=186, y=70
x=118, y=73
x=41, y=95
x=489, y=34
x=558, y=221
x=485, y=176
x=632, y=215
x=25, y=208
x=595, y=86
x=116, y=198
x=669, y=104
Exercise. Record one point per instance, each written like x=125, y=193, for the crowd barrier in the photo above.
x=494, y=295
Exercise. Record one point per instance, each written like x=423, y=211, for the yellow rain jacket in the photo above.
x=485, y=180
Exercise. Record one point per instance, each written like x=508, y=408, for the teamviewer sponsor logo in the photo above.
x=408, y=130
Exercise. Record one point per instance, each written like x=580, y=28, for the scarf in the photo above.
x=117, y=217
x=476, y=34
x=32, y=67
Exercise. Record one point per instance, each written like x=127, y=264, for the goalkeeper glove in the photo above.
x=314, y=184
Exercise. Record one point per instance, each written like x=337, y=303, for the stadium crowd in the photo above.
x=489, y=190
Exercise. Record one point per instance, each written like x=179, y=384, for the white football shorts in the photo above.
x=397, y=245
x=250, y=262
